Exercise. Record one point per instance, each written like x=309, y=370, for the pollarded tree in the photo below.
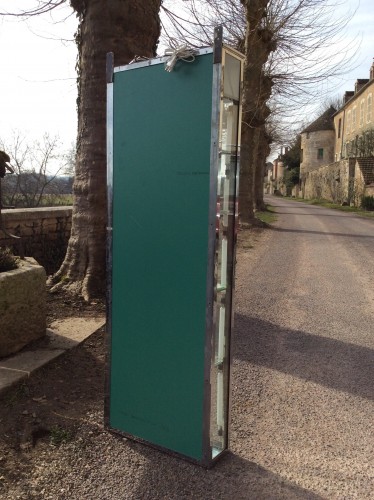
x=257, y=87
x=127, y=29
x=290, y=38
x=264, y=150
x=246, y=30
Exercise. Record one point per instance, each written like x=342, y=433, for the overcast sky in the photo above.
x=38, y=88
x=37, y=61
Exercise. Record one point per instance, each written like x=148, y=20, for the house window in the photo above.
x=349, y=118
x=301, y=156
x=362, y=112
x=353, y=125
x=369, y=108
x=339, y=127
x=320, y=154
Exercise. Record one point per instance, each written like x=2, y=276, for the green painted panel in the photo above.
x=161, y=163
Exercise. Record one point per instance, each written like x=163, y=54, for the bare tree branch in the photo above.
x=41, y=7
x=33, y=172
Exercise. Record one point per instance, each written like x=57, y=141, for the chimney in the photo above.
x=360, y=83
x=347, y=95
x=372, y=71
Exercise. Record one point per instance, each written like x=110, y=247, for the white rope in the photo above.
x=178, y=51
x=139, y=59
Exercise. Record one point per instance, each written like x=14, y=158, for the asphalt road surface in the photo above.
x=303, y=406
x=302, y=425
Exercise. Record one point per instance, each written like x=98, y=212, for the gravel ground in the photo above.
x=302, y=409
x=305, y=338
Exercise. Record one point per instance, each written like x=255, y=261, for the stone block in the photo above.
x=22, y=306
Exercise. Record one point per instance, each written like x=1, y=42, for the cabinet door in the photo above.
x=161, y=192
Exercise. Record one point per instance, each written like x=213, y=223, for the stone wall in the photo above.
x=22, y=306
x=296, y=192
x=330, y=182
x=45, y=233
x=311, y=142
x=339, y=182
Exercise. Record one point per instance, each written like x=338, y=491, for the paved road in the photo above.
x=305, y=342
x=302, y=406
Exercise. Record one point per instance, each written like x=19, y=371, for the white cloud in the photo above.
x=38, y=90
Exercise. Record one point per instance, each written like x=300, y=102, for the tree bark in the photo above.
x=127, y=29
x=256, y=91
x=263, y=153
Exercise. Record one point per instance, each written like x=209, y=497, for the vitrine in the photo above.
x=173, y=143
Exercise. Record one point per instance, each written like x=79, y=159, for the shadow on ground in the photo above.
x=232, y=478
x=324, y=233
x=58, y=395
x=337, y=214
x=331, y=363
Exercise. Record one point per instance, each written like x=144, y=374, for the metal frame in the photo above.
x=156, y=60
x=238, y=55
x=219, y=62
x=210, y=320
x=109, y=241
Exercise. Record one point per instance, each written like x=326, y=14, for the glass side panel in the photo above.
x=225, y=233
x=231, y=77
x=229, y=131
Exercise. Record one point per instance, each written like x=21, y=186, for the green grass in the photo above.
x=268, y=216
x=56, y=200
x=334, y=206
x=47, y=200
x=59, y=435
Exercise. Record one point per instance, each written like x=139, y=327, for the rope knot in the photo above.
x=178, y=51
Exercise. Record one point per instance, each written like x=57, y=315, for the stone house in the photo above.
x=318, y=142
x=354, y=122
x=337, y=149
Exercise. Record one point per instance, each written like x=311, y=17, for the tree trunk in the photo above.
x=127, y=29
x=256, y=91
x=263, y=153
x=246, y=178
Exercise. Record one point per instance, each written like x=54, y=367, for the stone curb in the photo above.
x=61, y=337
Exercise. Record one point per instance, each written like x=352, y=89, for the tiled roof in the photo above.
x=324, y=122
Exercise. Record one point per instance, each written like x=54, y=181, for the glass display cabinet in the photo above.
x=173, y=141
